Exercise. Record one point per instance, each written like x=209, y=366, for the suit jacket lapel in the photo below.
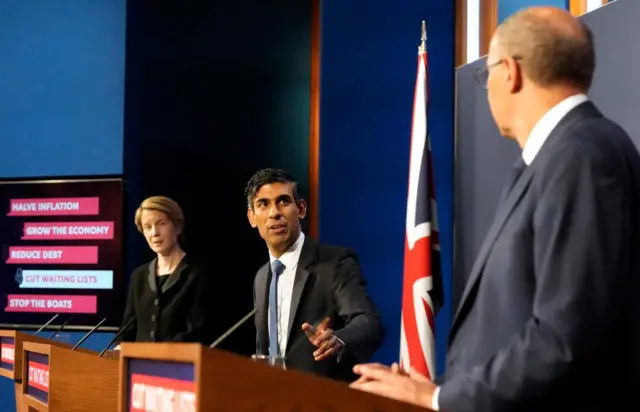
x=298, y=286
x=501, y=217
x=262, y=304
x=307, y=256
x=584, y=110
x=175, y=276
x=152, y=276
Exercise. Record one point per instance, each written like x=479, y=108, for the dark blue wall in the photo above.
x=216, y=90
x=369, y=60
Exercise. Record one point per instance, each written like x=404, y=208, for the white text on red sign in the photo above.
x=156, y=394
x=39, y=376
x=7, y=353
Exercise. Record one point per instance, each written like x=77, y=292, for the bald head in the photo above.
x=552, y=47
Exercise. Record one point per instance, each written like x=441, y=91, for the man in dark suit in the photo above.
x=313, y=307
x=550, y=314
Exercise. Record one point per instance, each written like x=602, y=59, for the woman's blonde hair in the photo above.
x=162, y=204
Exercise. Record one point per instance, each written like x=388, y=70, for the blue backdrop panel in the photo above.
x=483, y=158
x=508, y=7
x=62, y=82
x=368, y=73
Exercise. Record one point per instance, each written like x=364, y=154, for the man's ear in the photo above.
x=302, y=209
x=252, y=217
x=513, y=73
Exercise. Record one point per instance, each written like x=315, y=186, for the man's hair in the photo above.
x=549, y=52
x=265, y=177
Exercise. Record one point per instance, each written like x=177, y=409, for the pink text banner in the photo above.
x=52, y=304
x=57, y=206
x=53, y=255
x=67, y=230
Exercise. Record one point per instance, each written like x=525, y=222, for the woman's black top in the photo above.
x=171, y=308
x=160, y=280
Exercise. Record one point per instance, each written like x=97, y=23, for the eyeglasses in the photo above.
x=482, y=73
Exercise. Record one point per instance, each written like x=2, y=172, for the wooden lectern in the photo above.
x=11, y=342
x=58, y=379
x=184, y=377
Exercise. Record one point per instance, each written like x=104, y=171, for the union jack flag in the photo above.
x=422, y=293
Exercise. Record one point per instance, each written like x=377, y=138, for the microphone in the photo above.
x=88, y=334
x=46, y=324
x=233, y=328
x=120, y=332
x=54, y=334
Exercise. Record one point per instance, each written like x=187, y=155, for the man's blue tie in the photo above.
x=277, y=268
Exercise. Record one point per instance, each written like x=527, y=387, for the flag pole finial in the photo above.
x=423, y=38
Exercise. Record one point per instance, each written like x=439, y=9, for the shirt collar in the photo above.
x=292, y=255
x=547, y=123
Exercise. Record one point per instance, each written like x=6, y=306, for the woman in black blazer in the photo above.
x=167, y=296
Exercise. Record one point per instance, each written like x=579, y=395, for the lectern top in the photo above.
x=168, y=352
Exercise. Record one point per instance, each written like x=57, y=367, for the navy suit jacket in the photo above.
x=328, y=282
x=550, y=315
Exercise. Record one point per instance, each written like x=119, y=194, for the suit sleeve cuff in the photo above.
x=343, y=349
x=434, y=401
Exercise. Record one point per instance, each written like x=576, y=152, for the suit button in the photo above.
x=156, y=301
x=153, y=318
x=153, y=334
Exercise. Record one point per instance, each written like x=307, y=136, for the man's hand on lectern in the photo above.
x=393, y=382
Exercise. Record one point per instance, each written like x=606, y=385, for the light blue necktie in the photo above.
x=277, y=268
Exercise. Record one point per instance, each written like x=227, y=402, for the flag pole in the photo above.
x=423, y=38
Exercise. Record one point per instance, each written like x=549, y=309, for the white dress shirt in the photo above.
x=546, y=124
x=285, y=288
x=532, y=146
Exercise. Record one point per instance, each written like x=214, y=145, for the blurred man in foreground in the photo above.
x=550, y=314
